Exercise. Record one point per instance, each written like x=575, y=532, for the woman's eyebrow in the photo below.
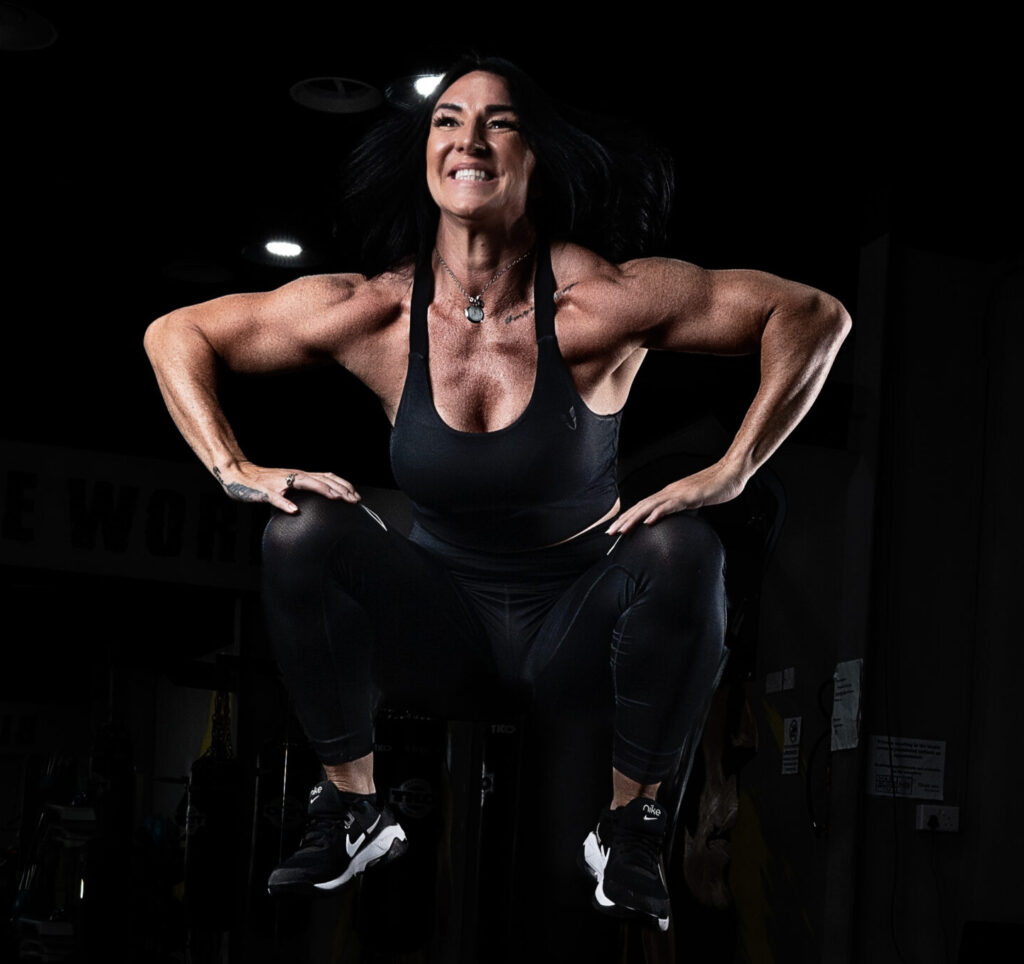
x=490, y=108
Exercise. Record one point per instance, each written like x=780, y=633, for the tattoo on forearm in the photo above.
x=522, y=314
x=239, y=491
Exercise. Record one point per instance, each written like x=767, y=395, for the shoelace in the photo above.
x=640, y=850
x=319, y=831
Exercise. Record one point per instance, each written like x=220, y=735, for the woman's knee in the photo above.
x=295, y=545
x=684, y=546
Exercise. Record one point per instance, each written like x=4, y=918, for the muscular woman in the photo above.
x=503, y=352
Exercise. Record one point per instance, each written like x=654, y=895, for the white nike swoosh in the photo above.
x=649, y=818
x=351, y=846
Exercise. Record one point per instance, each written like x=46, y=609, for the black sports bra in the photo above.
x=536, y=482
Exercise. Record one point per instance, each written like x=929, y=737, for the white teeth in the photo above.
x=468, y=174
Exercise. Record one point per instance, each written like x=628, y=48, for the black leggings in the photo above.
x=632, y=626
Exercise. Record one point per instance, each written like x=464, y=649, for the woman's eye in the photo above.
x=505, y=123
x=444, y=120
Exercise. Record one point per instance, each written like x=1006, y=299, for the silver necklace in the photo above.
x=474, y=311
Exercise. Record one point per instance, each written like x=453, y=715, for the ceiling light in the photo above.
x=426, y=84
x=336, y=95
x=284, y=249
x=409, y=92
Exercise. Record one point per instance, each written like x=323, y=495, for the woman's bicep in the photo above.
x=300, y=324
x=713, y=312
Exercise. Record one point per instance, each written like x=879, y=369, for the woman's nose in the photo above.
x=473, y=141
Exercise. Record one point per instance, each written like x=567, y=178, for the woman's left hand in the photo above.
x=711, y=486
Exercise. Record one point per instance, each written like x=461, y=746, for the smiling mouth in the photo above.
x=472, y=174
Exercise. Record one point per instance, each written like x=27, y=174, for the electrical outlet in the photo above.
x=942, y=819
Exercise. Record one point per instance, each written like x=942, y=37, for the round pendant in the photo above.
x=475, y=313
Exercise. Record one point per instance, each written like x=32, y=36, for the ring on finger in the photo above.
x=289, y=480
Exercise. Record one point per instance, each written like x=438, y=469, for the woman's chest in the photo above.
x=482, y=376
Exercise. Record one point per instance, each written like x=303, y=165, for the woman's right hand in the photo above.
x=247, y=482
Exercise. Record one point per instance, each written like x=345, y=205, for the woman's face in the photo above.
x=478, y=164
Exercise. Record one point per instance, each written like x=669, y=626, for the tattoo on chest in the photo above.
x=522, y=314
x=239, y=491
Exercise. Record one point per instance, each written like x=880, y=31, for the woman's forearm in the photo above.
x=186, y=370
x=799, y=341
x=798, y=346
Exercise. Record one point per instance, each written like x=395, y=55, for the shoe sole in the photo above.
x=593, y=863
x=388, y=845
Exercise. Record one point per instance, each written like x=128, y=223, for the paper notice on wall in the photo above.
x=846, y=704
x=791, y=729
x=904, y=767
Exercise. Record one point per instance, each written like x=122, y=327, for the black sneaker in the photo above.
x=341, y=840
x=623, y=854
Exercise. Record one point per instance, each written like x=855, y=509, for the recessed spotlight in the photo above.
x=336, y=95
x=426, y=84
x=409, y=92
x=24, y=29
x=284, y=249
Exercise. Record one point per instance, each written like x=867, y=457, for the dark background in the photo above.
x=141, y=147
x=143, y=151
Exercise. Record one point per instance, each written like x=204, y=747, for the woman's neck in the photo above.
x=474, y=254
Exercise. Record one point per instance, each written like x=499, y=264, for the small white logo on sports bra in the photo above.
x=570, y=418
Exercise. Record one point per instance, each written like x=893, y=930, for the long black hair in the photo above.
x=601, y=184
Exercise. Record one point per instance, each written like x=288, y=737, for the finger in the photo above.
x=280, y=502
x=615, y=525
x=347, y=492
x=325, y=484
x=627, y=520
x=341, y=486
x=344, y=483
x=312, y=483
x=659, y=512
x=663, y=507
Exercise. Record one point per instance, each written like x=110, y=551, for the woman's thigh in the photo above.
x=356, y=612
x=638, y=638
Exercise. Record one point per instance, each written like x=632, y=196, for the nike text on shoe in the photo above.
x=623, y=854
x=341, y=840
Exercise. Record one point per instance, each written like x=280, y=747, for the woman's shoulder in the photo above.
x=377, y=297
x=573, y=263
x=389, y=283
x=585, y=279
x=399, y=274
x=345, y=307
